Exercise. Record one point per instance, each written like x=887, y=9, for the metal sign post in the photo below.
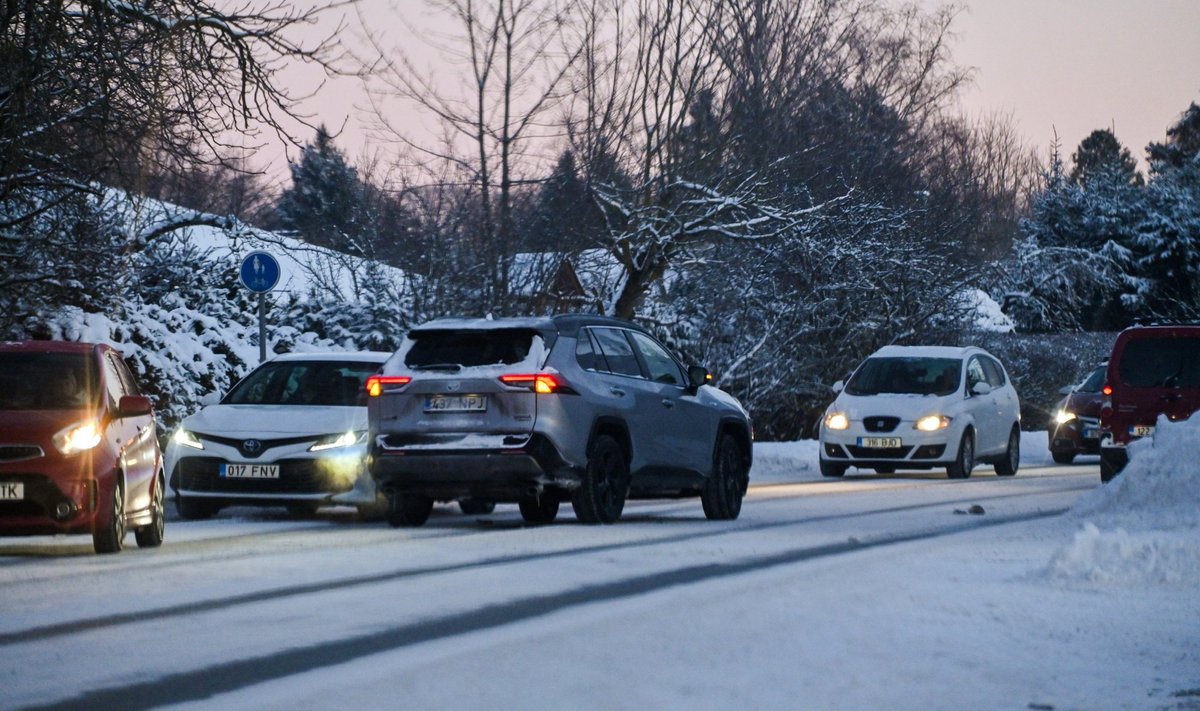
x=260, y=273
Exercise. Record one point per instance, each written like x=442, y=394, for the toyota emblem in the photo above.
x=453, y=387
x=251, y=446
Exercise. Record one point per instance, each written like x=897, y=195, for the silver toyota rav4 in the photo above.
x=541, y=410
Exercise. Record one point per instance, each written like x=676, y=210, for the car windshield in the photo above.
x=304, y=382
x=1094, y=382
x=468, y=349
x=906, y=376
x=47, y=381
x=1161, y=363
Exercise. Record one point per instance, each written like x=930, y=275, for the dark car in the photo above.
x=543, y=410
x=1153, y=371
x=1075, y=428
x=78, y=447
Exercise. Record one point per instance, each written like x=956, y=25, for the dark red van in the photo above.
x=78, y=447
x=1153, y=370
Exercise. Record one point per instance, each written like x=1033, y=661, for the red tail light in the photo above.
x=1107, y=390
x=537, y=382
x=376, y=383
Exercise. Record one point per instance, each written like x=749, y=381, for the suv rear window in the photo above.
x=1160, y=363
x=468, y=349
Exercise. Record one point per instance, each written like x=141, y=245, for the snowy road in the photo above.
x=663, y=610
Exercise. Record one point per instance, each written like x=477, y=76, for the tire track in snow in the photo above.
x=206, y=683
x=77, y=626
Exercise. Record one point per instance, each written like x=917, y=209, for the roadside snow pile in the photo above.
x=1143, y=526
x=784, y=461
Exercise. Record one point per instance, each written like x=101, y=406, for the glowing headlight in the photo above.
x=187, y=439
x=932, y=423
x=345, y=439
x=1062, y=417
x=78, y=438
x=837, y=421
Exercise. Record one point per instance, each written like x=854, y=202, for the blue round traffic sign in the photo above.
x=260, y=272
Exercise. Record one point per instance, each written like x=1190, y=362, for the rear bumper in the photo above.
x=498, y=474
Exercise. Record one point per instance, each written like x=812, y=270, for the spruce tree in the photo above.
x=1101, y=155
x=324, y=205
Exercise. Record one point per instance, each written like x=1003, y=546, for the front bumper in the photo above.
x=1078, y=436
x=917, y=450
x=336, y=477
x=52, y=503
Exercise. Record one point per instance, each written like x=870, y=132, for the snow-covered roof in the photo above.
x=533, y=323
x=925, y=352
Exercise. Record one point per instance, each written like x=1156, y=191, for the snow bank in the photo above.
x=1143, y=526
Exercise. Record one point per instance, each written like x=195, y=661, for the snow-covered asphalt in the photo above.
x=863, y=592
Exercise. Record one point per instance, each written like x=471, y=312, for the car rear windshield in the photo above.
x=301, y=382
x=452, y=350
x=1160, y=362
x=906, y=376
x=47, y=381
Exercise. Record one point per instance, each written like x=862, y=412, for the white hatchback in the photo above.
x=291, y=433
x=921, y=407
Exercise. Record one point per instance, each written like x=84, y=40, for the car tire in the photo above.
x=723, y=491
x=109, y=534
x=193, y=509
x=1063, y=457
x=539, y=510
x=830, y=469
x=1012, y=455
x=962, y=465
x=151, y=535
x=600, y=497
x=885, y=470
x=476, y=507
x=408, y=510
x=1108, y=468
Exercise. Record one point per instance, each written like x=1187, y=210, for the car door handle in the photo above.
x=668, y=403
x=617, y=391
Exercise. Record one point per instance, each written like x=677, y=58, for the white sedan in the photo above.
x=921, y=407
x=291, y=433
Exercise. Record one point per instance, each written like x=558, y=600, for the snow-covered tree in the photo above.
x=324, y=204
x=1100, y=156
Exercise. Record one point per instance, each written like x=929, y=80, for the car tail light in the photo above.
x=538, y=382
x=376, y=383
x=1107, y=389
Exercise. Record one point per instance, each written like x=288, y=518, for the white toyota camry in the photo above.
x=291, y=433
x=921, y=407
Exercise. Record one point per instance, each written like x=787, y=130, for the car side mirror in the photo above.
x=210, y=399
x=134, y=406
x=698, y=375
x=838, y=387
x=981, y=389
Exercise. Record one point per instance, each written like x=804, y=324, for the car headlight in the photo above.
x=932, y=423
x=187, y=439
x=78, y=438
x=345, y=439
x=1062, y=417
x=837, y=421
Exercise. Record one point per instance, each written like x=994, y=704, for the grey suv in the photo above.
x=541, y=410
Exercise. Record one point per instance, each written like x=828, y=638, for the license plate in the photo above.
x=879, y=442
x=456, y=403
x=250, y=471
x=1091, y=433
x=1141, y=430
x=12, y=491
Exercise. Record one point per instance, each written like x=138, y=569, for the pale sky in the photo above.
x=1069, y=66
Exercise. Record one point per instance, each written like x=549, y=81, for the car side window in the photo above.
x=127, y=379
x=112, y=383
x=975, y=373
x=617, y=351
x=995, y=374
x=662, y=367
x=585, y=352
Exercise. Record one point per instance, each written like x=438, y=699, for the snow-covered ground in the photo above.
x=1019, y=607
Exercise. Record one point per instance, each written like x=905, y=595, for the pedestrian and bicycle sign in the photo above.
x=259, y=272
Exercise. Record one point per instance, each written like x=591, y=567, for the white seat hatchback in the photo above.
x=923, y=407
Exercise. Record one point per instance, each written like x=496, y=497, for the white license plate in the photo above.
x=12, y=491
x=250, y=471
x=879, y=442
x=456, y=403
x=1091, y=433
x=1141, y=430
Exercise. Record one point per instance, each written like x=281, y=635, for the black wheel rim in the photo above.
x=731, y=480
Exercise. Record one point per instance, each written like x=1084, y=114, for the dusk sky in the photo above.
x=1065, y=66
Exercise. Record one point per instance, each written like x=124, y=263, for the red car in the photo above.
x=1075, y=428
x=1153, y=370
x=78, y=447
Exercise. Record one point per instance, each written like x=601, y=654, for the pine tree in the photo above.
x=324, y=206
x=1101, y=155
